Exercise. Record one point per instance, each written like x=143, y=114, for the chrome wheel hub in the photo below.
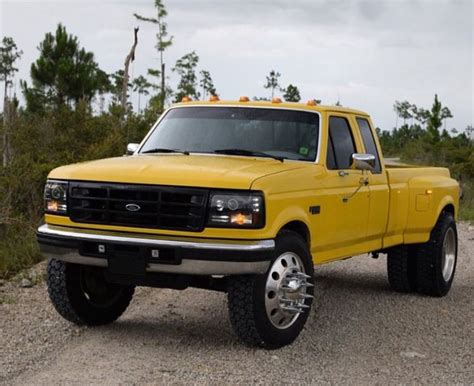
x=286, y=290
x=448, y=254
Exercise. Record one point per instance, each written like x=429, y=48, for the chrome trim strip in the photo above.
x=190, y=267
x=207, y=267
x=157, y=240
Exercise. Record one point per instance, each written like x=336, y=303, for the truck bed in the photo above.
x=417, y=196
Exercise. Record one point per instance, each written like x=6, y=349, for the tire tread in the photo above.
x=60, y=288
x=401, y=269
x=429, y=282
x=57, y=290
x=240, y=294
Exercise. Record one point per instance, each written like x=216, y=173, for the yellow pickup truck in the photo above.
x=244, y=197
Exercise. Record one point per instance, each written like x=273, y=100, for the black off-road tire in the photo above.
x=246, y=300
x=401, y=268
x=66, y=292
x=430, y=280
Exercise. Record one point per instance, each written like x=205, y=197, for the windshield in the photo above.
x=278, y=133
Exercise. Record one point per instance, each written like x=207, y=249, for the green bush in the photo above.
x=414, y=146
x=18, y=249
x=40, y=143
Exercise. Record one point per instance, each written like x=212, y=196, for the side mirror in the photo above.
x=132, y=148
x=363, y=161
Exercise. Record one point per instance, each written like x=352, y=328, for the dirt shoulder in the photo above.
x=359, y=332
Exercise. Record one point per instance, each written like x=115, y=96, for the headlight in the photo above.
x=236, y=210
x=55, y=197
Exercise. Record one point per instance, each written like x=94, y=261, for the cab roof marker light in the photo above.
x=186, y=99
x=244, y=99
x=311, y=102
x=214, y=98
x=276, y=100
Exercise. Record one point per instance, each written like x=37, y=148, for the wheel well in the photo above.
x=300, y=228
x=449, y=209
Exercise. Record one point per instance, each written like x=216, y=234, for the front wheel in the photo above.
x=270, y=310
x=82, y=295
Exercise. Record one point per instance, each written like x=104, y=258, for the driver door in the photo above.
x=342, y=226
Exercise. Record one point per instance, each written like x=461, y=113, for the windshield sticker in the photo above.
x=304, y=150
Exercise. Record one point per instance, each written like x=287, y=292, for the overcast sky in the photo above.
x=367, y=54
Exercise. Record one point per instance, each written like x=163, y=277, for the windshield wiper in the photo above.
x=251, y=153
x=163, y=150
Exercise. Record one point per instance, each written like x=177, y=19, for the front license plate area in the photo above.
x=164, y=256
x=127, y=265
x=130, y=259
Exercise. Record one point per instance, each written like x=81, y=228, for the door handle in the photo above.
x=362, y=182
x=343, y=173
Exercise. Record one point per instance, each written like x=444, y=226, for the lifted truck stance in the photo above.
x=244, y=197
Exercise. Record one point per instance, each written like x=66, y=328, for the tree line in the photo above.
x=423, y=139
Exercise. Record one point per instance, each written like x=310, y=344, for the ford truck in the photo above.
x=245, y=198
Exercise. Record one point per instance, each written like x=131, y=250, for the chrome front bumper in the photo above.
x=196, y=256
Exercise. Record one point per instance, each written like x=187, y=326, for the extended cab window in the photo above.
x=340, y=144
x=288, y=134
x=369, y=142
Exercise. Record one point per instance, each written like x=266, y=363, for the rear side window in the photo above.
x=341, y=144
x=369, y=142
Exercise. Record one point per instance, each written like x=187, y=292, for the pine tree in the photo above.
x=116, y=88
x=185, y=67
x=273, y=82
x=141, y=86
x=63, y=74
x=163, y=42
x=435, y=119
x=292, y=94
x=403, y=110
x=207, y=84
x=9, y=54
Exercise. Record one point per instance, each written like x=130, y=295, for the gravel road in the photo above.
x=359, y=332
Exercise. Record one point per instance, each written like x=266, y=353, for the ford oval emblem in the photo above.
x=132, y=207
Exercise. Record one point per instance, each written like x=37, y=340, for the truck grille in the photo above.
x=142, y=206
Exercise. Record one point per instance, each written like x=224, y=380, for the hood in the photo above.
x=215, y=171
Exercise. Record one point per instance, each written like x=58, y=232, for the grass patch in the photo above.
x=18, y=249
x=466, y=214
x=466, y=210
x=6, y=299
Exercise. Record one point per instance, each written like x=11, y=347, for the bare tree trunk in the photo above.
x=163, y=91
x=101, y=103
x=5, y=157
x=130, y=58
x=12, y=124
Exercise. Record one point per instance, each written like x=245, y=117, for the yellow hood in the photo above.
x=213, y=171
